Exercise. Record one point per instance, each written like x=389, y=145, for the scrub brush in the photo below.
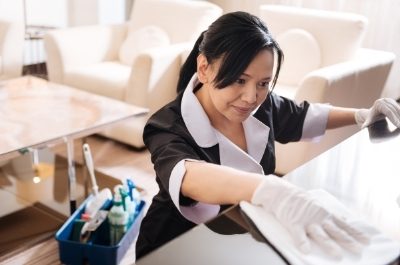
x=99, y=198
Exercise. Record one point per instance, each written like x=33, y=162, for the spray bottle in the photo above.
x=118, y=219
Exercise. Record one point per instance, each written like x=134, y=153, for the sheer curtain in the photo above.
x=382, y=32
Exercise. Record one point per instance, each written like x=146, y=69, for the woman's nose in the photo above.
x=249, y=94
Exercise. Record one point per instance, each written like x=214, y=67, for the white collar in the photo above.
x=195, y=118
x=205, y=135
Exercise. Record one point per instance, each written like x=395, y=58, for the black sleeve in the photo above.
x=287, y=118
x=169, y=142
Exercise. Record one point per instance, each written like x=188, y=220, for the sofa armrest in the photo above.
x=356, y=83
x=11, y=48
x=154, y=77
x=65, y=47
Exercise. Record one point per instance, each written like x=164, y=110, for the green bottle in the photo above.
x=118, y=220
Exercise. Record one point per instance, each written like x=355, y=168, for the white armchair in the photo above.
x=137, y=62
x=11, y=49
x=324, y=62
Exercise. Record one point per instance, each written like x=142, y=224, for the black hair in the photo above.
x=235, y=37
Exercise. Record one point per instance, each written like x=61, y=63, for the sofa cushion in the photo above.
x=108, y=79
x=139, y=40
x=302, y=55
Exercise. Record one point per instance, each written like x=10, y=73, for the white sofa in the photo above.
x=324, y=62
x=11, y=49
x=137, y=62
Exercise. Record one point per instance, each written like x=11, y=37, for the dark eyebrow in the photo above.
x=266, y=78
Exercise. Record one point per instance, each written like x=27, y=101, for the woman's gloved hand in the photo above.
x=383, y=107
x=305, y=219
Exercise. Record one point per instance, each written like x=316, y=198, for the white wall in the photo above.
x=51, y=13
x=65, y=13
x=11, y=10
x=111, y=11
x=90, y=12
x=82, y=12
x=38, y=12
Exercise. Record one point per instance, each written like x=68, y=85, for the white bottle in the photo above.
x=118, y=220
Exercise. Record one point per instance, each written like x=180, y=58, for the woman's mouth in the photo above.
x=242, y=110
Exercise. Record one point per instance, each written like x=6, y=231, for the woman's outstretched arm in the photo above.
x=217, y=184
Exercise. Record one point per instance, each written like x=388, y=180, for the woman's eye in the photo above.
x=264, y=84
x=240, y=81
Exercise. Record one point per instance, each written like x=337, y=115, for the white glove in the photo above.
x=383, y=107
x=305, y=219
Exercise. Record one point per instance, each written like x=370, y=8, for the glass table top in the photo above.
x=35, y=112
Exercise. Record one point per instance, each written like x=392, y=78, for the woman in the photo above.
x=214, y=144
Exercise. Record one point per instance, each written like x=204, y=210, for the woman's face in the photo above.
x=236, y=102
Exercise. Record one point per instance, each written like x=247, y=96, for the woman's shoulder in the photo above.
x=166, y=125
x=275, y=102
x=276, y=106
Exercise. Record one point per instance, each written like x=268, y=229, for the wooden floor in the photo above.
x=111, y=158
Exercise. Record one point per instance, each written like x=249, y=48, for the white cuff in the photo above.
x=200, y=212
x=315, y=122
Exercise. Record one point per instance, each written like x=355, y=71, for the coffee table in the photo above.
x=35, y=114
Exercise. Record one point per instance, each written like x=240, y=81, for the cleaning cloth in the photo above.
x=381, y=249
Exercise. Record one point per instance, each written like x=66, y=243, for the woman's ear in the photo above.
x=202, y=66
